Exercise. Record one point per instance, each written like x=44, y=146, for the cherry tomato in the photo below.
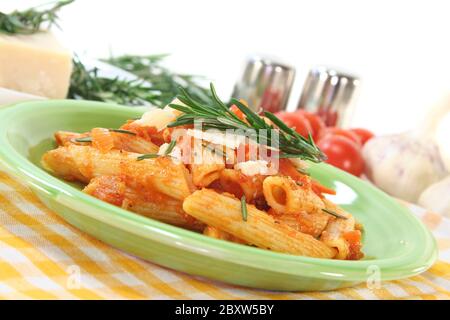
x=363, y=134
x=297, y=121
x=316, y=123
x=343, y=153
x=334, y=131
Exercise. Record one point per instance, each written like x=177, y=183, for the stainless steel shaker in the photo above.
x=265, y=84
x=331, y=94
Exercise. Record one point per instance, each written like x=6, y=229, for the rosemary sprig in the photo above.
x=31, y=20
x=149, y=68
x=337, y=215
x=244, y=208
x=217, y=115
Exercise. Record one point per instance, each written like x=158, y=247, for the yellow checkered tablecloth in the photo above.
x=43, y=257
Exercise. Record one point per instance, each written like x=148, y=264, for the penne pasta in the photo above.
x=285, y=196
x=260, y=229
x=213, y=232
x=336, y=230
x=84, y=163
x=313, y=224
x=211, y=182
x=234, y=182
x=155, y=205
x=205, y=174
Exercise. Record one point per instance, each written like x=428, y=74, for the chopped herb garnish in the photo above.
x=123, y=131
x=84, y=139
x=148, y=156
x=337, y=215
x=244, y=208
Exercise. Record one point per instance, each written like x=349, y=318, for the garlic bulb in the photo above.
x=404, y=165
x=436, y=197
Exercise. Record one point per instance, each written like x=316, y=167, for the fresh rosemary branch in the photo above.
x=88, y=85
x=31, y=20
x=162, y=79
x=154, y=84
x=217, y=115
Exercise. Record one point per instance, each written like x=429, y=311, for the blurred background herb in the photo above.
x=150, y=69
x=154, y=84
x=31, y=20
x=87, y=84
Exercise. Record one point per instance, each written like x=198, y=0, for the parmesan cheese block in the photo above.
x=36, y=64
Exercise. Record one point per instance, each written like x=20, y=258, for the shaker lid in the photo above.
x=330, y=93
x=265, y=83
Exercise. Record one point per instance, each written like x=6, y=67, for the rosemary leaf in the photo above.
x=147, y=156
x=170, y=147
x=337, y=215
x=244, y=208
x=123, y=131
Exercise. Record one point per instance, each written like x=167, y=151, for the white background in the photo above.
x=400, y=49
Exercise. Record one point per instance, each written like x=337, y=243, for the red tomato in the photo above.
x=363, y=134
x=340, y=132
x=342, y=153
x=296, y=121
x=316, y=123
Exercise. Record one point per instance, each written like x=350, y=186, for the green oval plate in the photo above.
x=396, y=244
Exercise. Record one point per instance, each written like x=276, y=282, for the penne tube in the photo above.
x=234, y=182
x=154, y=205
x=84, y=163
x=260, y=229
x=335, y=231
x=285, y=196
x=313, y=224
x=205, y=174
